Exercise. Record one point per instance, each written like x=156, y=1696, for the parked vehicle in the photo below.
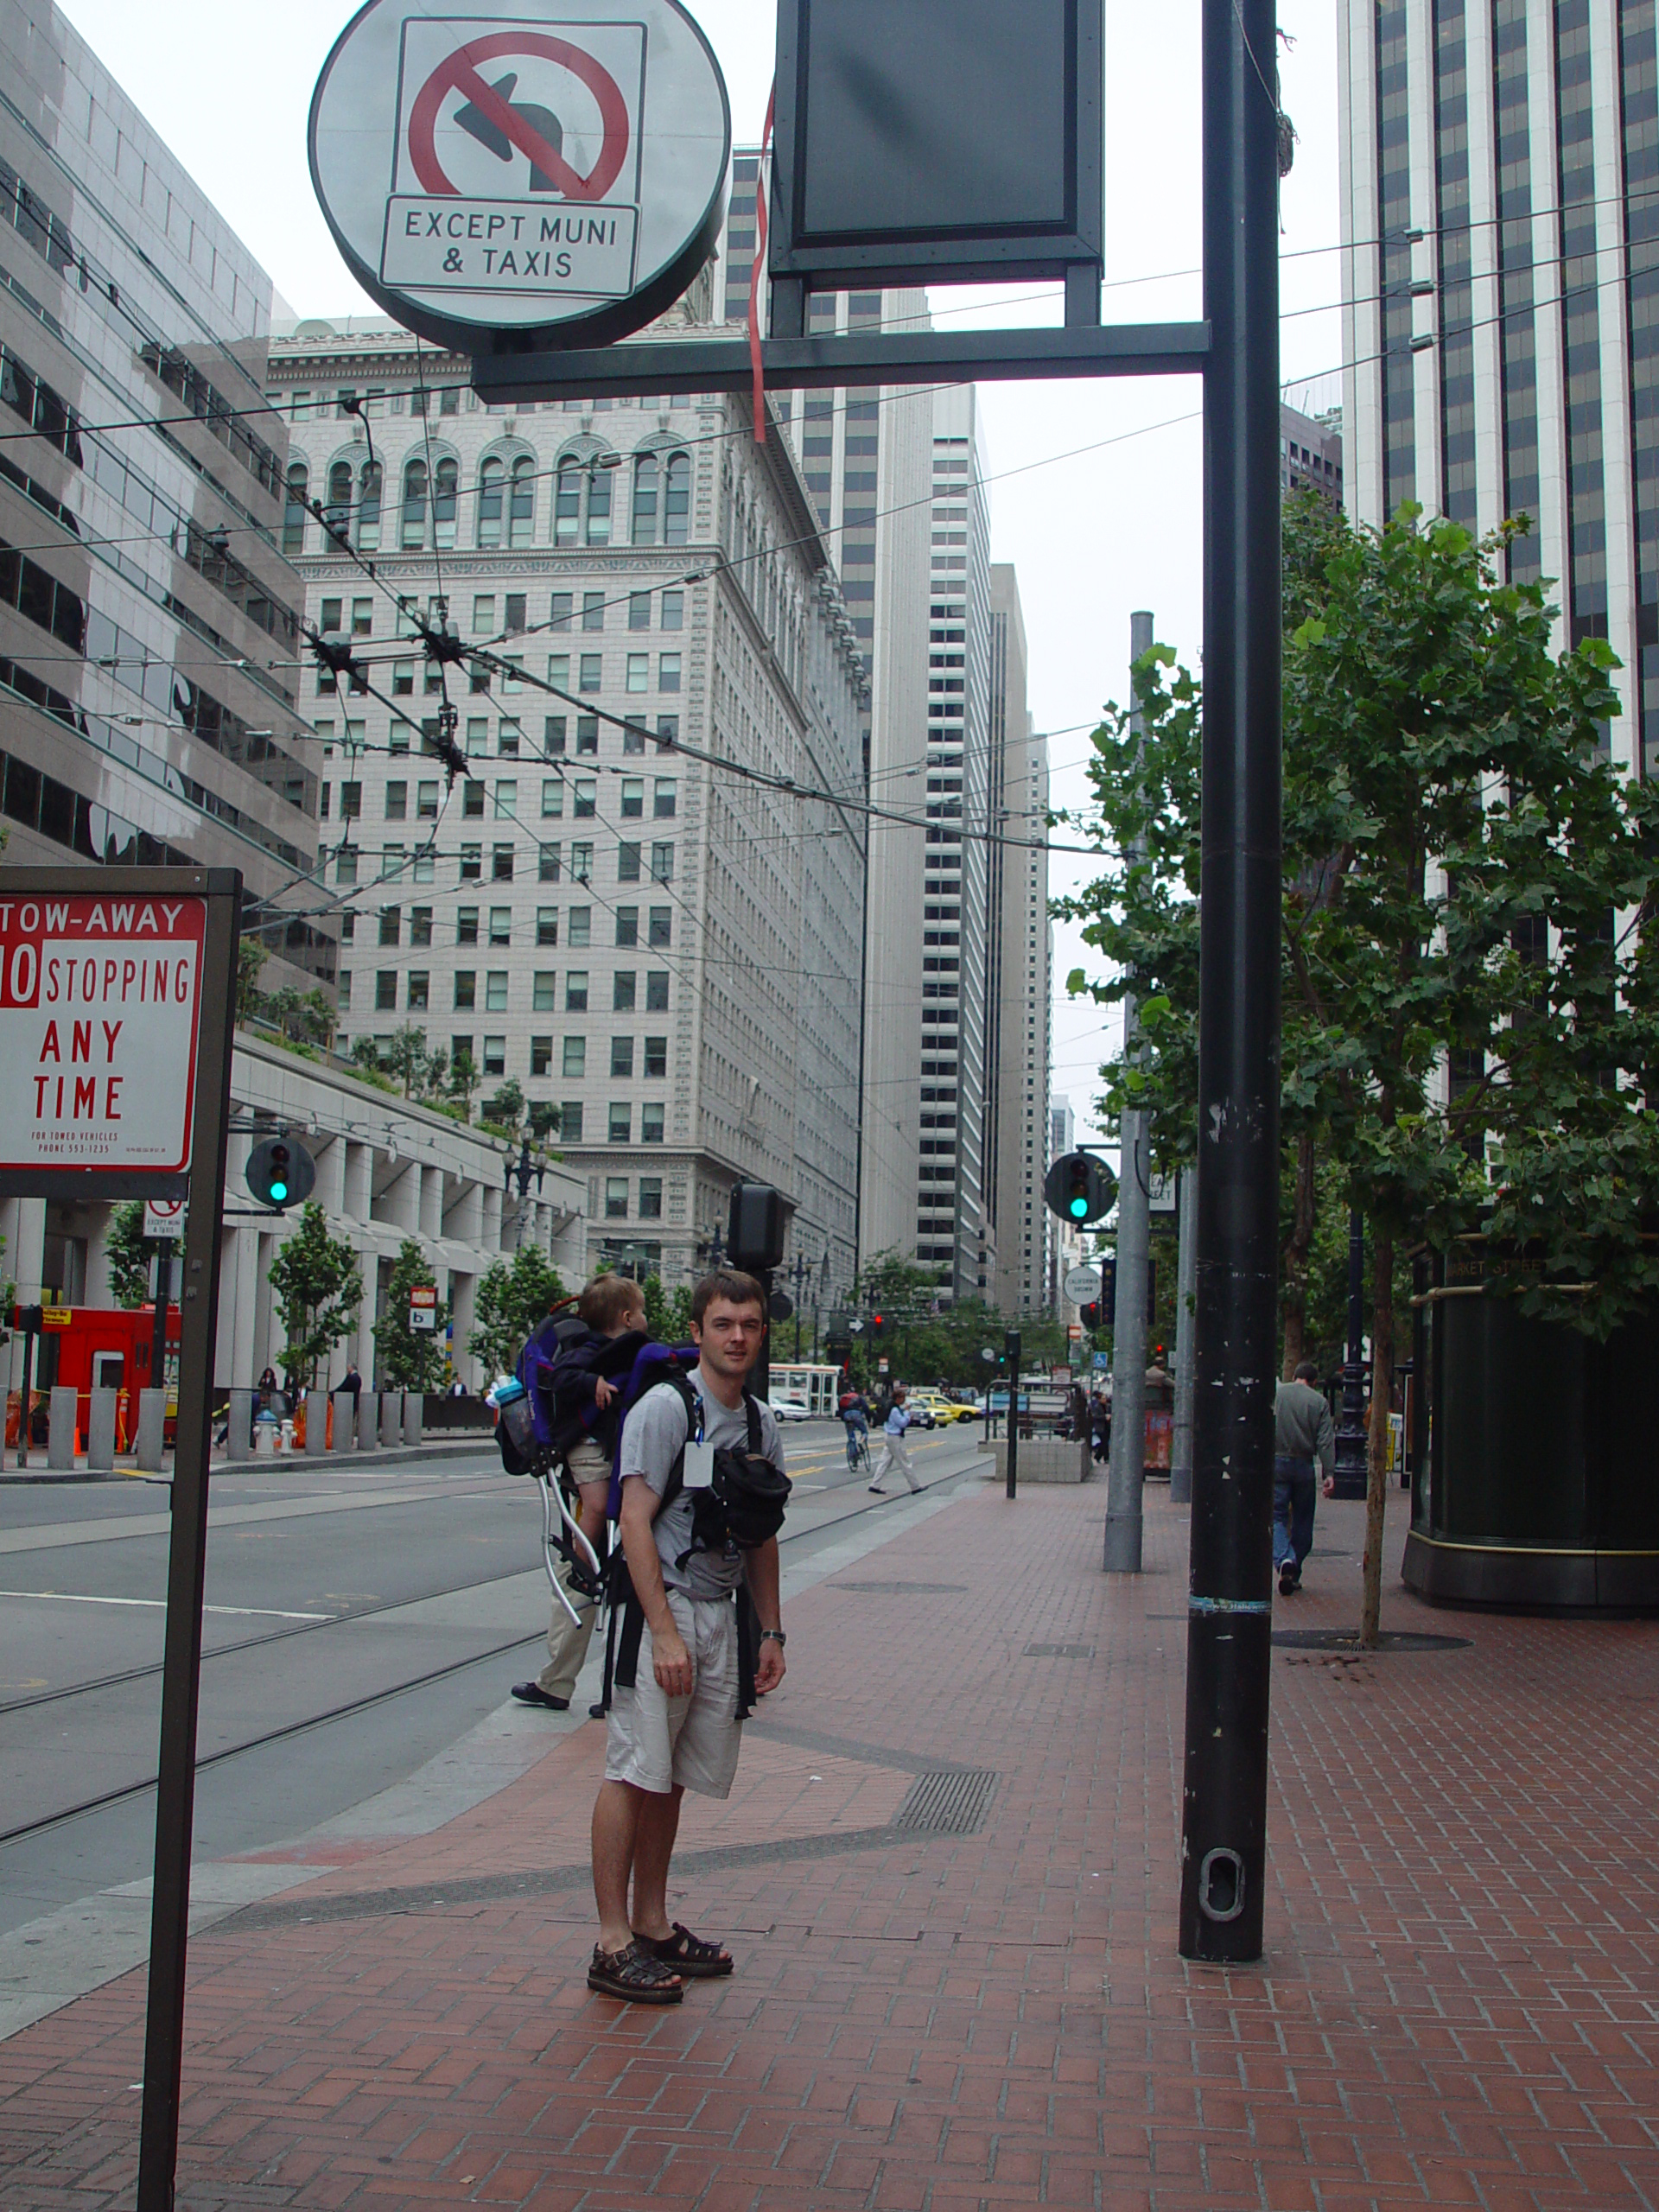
x=790, y=1408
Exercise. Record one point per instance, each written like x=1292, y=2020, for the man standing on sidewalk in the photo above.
x=895, y=1452
x=676, y=1711
x=1302, y=1431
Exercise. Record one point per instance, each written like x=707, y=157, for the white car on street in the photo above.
x=789, y=1408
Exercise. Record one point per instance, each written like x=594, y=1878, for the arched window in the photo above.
x=338, y=510
x=414, y=532
x=566, y=502
x=293, y=508
x=677, y=500
x=445, y=484
x=490, y=478
x=645, y=477
x=368, y=511
x=521, y=512
x=600, y=485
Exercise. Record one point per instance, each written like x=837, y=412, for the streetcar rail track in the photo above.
x=128, y=1790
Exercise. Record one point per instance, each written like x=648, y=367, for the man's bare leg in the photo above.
x=619, y=1820
x=658, y=1825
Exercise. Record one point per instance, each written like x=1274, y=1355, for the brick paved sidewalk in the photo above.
x=1458, y=2007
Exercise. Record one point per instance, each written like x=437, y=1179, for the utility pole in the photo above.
x=1187, y=1280
x=1126, y=1466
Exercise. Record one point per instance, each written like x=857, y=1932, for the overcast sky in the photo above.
x=1096, y=496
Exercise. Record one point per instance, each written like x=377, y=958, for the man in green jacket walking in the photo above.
x=1302, y=1433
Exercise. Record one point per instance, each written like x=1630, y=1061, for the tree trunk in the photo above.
x=1295, y=1258
x=1377, y=1470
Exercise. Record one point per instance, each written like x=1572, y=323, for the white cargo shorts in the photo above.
x=657, y=1742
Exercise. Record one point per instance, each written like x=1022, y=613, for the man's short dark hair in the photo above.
x=731, y=1285
x=1306, y=1371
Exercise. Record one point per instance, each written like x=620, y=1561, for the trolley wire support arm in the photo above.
x=1223, y=1825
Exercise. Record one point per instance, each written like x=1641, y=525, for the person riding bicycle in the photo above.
x=855, y=1410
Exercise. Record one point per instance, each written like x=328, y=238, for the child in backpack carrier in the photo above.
x=584, y=1376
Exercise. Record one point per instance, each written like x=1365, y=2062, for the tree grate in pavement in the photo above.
x=1345, y=1639
x=1059, y=1651
x=947, y=1803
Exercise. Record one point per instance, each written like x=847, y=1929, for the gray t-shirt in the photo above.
x=656, y=1433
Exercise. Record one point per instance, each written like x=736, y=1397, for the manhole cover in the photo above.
x=1334, y=1639
x=904, y=1589
x=1059, y=1651
x=948, y=1804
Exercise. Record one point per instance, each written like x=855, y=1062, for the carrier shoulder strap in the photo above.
x=751, y=1407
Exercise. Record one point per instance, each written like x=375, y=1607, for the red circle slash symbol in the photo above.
x=459, y=73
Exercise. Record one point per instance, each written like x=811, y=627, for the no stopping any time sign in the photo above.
x=100, y=1010
x=558, y=176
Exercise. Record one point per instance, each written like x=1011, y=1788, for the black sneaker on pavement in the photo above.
x=1290, y=1580
x=533, y=1694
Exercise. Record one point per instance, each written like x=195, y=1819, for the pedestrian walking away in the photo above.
x=894, y=1451
x=585, y=1381
x=700, y=1464
x=1302, y=1433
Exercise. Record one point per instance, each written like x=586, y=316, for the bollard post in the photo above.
x=316, y=1423
x=392, y=1419
x=152, y=1429
x=100, y=1433
x=61, y=1429
x=344, y=1422
x=414, y=1409
x=368, y=1420
x=238, y=1443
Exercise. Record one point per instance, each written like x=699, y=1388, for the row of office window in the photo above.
x=655, y=502
x=497, y=994
x=422, y=864
x=564, y=613
x=509, y=735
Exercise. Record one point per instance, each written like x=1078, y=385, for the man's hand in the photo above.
x=603, y=1392
x=671, y=1664
x=768, y=1665
x=1330, y=1485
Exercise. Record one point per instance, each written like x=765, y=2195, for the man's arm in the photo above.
x=670, y=1660
x=760, y=1566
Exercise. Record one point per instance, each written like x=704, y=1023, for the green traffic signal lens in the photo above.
x=278, y=1192
x=1079, y=1208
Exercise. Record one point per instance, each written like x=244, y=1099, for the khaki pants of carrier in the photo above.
x=566, y=1645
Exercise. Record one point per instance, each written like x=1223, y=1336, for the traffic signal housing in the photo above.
x=1078, y=1188
x=880, y=1327
x=281, y=1172
x=1091, y=1314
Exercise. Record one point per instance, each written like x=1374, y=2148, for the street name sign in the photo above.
x=1082, y=1286
x=423, y=1306
x=558, y=173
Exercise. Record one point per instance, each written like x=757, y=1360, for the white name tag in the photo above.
x=699, y=1465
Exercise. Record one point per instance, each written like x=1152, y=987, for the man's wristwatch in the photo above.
x=775, y=1635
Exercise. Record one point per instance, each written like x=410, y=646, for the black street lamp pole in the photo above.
x=1229, y=1604
x=1351, y=1445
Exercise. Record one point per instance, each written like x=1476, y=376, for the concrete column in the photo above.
x=152, y=1415
x=238, y=1445
x=368, y=1420
x=432, y=1201
x=463, y=1292
x=414, y=1407
x=344, y=1422
x=491, y=1235
x=100, y=1434
x=316, y=1423
x=61, y=1429
x=359, y=1201
x=392, y=1417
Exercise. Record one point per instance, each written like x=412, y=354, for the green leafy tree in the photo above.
x=251, y=957
x=504, y=1107
x=463, y=1082
x=318, y=1291
x=668, y=1312
x=319, y=1019
x=1455, y=848
x=405, y=1059
x=544, y=1120
x=511, y=1301
x=128, y=1254
x=410, y=1359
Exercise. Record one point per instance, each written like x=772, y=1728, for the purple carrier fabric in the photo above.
x=555, y=1356
x=654, y=1363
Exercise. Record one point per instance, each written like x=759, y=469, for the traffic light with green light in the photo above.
x=281, y=1172
x=1078, y=1188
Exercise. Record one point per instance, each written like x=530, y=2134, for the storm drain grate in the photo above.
x=904, y=1589
x=1059, y=1651
x=952, y=1803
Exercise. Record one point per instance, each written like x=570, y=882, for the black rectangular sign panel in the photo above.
x=936, y=139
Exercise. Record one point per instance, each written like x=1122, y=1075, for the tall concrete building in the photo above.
x=1498, y=165
x=149, y=622
x=1019, y=968
x=662, y=949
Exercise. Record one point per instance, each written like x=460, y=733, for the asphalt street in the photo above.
x=358, y=1622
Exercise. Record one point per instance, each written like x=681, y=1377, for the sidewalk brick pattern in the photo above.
x=1459, y=2003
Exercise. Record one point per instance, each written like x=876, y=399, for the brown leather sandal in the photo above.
x=634, y=1976
x=687, y=1954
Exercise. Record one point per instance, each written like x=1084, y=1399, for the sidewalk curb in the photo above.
x=299, y=1462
